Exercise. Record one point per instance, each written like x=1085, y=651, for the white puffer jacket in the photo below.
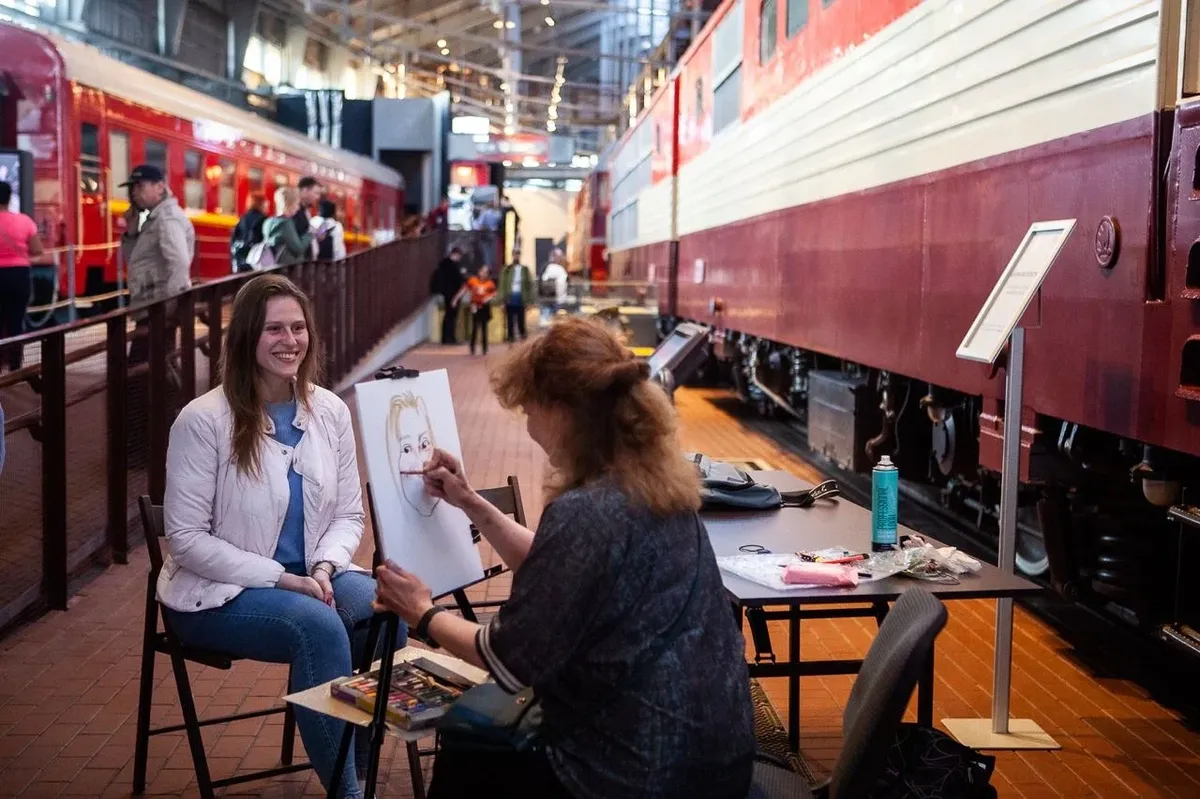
x=222, y=526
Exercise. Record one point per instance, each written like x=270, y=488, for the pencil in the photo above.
x=419, y=471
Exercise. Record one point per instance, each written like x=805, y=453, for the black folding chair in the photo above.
x=898, y=657
x=169, y=644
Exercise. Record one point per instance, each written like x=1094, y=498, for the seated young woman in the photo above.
x=263, y=512
x=620, y=556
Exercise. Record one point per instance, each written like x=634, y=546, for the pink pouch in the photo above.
x=803, y=573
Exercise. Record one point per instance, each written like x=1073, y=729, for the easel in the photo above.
x=389, y=625
x=1000, y=322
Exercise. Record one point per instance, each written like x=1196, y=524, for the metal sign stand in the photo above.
x=999, y=323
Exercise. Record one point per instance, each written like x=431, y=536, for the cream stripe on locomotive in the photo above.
x=653, y=212
x=946, y=84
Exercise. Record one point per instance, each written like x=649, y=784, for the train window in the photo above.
x=254, y=179
x=727, y=101
x=767, y=31
x=797, y=16
x=193, y=180
x=156, y=155
x=227, y=196
x=89, y=159
x=118, y=161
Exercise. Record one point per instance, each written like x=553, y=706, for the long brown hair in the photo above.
x=620, y=424
x=239, y=363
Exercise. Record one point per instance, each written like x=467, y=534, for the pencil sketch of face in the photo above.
x=410, y=443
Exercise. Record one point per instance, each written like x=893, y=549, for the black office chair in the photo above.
x=898, y=656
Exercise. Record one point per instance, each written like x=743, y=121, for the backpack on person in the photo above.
x=261, y=256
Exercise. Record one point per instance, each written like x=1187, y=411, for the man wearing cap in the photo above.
x=158, y=251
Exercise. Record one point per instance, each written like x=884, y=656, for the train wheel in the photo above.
x=1032, y=559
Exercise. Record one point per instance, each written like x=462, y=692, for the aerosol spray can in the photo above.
x=885, y=496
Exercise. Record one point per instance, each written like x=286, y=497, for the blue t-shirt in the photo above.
x=290, y=550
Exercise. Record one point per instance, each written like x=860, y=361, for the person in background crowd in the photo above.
x=516, y=282
x=280, y=233
x=19, y=245
x=616, y=619
x=482, y=289
x=332, y=243
x=439, y=217
x=488, y=225
x=310, y=192
x=249, y=231
x=158, y=251
x=263, y=513
x=447, y=282
x=554, y=283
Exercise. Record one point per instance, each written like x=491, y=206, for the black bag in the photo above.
x=925, y=763
x=487, y=718
x=723, y=485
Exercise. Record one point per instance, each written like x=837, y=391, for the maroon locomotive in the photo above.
x=835, y=185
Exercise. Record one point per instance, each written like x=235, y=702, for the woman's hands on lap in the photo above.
x=323, y=579
x=302, y=585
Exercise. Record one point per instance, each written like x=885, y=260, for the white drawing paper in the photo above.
x=400, y=422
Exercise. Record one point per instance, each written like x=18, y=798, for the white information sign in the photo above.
x=1014, y=290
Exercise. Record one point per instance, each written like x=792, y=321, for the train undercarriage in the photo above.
x=1093, y=521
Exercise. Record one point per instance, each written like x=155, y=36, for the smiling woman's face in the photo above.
x=415, y=447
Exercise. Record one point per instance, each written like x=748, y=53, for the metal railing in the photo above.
x=86, y=423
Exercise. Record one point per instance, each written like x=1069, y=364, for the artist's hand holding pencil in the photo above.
x=444, y=479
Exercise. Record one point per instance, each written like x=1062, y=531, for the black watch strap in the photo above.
x=422, y=630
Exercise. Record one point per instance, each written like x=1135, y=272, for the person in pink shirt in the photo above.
x=19, y=245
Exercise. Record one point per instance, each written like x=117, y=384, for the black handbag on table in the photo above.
x=488, y=718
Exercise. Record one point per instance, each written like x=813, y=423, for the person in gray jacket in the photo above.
x=158, y=250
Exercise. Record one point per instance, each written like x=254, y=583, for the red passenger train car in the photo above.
x=834, y=186
x=88, y=119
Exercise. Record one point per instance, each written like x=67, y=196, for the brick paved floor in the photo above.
x=68, y=682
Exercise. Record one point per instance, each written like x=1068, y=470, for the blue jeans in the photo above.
x=272, y=625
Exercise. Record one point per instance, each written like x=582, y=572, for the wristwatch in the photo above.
x=324, y=566
x=422, y=629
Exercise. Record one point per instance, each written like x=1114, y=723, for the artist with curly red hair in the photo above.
x=620, y=567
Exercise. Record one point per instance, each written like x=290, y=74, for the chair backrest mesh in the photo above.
x=883, y=688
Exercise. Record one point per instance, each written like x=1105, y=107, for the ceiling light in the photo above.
x=550, y=126
x=550, y=21
x=445, y=51
x=441, y=42
x=510, y=24
x=498, y=24
x=545, y=2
